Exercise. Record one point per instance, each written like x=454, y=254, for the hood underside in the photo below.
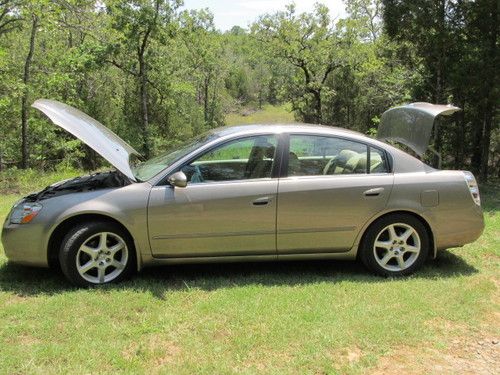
x=90, y=131
x=412, y=124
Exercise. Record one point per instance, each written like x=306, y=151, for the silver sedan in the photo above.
x=248, y=193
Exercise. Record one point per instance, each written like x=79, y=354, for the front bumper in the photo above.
x=25, y=244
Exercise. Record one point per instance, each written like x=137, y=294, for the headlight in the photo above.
x=24, y=212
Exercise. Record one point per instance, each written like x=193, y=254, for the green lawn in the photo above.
x=269, y=114
x=276, y=318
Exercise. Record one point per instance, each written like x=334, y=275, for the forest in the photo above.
x=157, y=73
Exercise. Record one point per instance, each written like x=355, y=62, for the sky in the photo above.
x=228, y=13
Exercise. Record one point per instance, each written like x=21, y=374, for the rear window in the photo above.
x=314, y=155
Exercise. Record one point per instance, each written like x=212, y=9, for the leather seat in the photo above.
x=259, y=165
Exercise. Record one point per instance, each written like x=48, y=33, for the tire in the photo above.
x=97, y=253
x=395, y=245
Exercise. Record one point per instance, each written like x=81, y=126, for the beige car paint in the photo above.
x=305, y=218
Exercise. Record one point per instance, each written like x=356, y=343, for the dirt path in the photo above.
x=463, y=356
x=475, y=351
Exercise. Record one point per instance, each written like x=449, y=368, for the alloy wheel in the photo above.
x=102, y=257
x=397, y=247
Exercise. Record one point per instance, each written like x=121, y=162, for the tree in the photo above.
x=482, y=37
x=204, y=53
x=307, y=41
x=9, y=15
x=156, y=75
x=369, y=14
x=137, y=23
x=24, y=99
x=457, y=44
x=373, y=77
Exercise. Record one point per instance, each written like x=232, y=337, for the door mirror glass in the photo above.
x=178, y=179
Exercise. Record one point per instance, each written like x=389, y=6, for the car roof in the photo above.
x=228, y=131
x=281, y=128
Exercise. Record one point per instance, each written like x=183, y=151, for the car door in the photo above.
x=332, y=187
x=228, y=207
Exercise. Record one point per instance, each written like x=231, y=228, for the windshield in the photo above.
x=145, y=170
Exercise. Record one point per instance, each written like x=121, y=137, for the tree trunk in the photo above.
x=206, y=95
x=25, y=97
x=460, y=137
x=143, y=83
x=477, y=128
x=348, y=116
x=317, y=106
x=491, y=59
x=439, y=99
x=438, y=143
x=485, y=146
x=316, y=93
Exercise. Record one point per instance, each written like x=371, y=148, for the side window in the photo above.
x=378, y=162
x=241, y=159
x=312, y=155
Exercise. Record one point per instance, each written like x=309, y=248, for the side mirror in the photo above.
x=178, y=179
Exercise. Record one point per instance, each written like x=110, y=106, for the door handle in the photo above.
x=261, y=201
x=373, y=192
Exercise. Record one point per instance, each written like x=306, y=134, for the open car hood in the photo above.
x=412, y=124
x=106, y=143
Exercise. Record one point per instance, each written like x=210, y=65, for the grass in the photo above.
x=275, y=318
x=269, y=114
x=19, y=181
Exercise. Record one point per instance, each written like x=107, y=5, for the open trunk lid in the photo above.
x=412, y=124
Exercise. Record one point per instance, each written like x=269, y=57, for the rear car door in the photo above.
x=333, y=186
x=228, y=207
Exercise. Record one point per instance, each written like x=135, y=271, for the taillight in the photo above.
x=473, y=188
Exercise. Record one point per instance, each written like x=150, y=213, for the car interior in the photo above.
x=248, y=162
x=254, y=159
x=346, y=162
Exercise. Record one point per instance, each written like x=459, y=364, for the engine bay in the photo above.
x=96, y=181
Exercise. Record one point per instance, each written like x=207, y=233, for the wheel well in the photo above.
x=418, y=217
x=58, y=234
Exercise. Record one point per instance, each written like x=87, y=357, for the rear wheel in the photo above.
x=395, y=245
x=97, y=253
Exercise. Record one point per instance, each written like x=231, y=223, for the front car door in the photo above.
x=332, y=187
x=228, y=207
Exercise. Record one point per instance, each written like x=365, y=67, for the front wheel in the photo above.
x=97, y=253
x=395, y=245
